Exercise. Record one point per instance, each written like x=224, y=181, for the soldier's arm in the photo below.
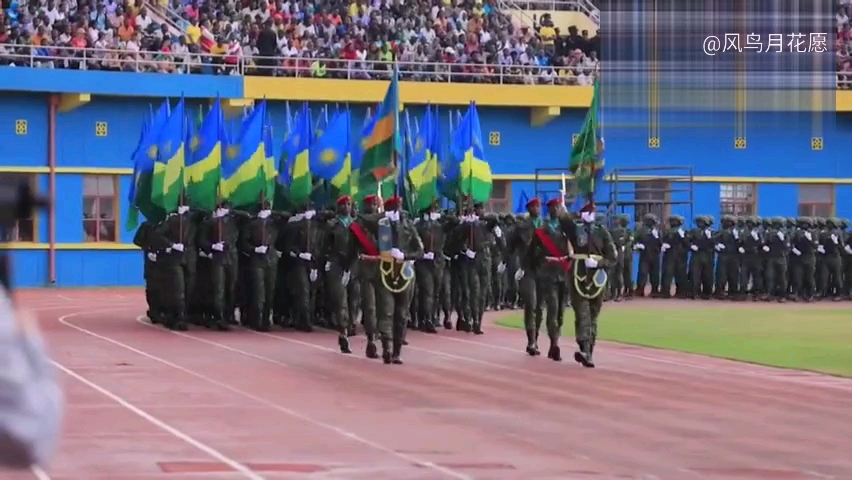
x=203, y=239
x=415, y=244
x=140, y=238
x=609, y=250
x=158, y=239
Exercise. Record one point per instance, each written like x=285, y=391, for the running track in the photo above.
x=144, y=403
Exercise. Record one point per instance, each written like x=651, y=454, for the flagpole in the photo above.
x=219, y=183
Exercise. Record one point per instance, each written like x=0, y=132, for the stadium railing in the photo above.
x=585, y=6
x=308, y=67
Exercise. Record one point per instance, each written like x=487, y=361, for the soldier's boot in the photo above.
x=477, y=326
x=218, y=322
x=462, y=324
x=448, y=325
x=179, y=323
x=371, y=351
x=584, y=356
x=343, y=343
x=397, y=350
x=428, y=327
x=554, y=352
x=532, y=344
x=352, y=331
x=386, y=350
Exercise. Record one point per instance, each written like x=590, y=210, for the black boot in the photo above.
x=397, y=350
x=386, y=351
x=448, y=325
x=584, y=356
x=532, y=348
x=428, y=327
x=477, y=327
x=343, y=342
x=353, y=331
x=372, y=351
x=554, y=352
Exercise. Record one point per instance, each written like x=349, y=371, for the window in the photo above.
x=100, y=201
x=501, y=197
x=651, y=196
x=738, y=199
x=816, y=200
x=23, y=230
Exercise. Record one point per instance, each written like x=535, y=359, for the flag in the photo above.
x=270, y=167
x=204, y=161
x=474, y=173
x=297, y=148
x=243, y=181
x=381, y=144
x=423, y=172
x=144, y=157
x=587, y=163
x=169, y=180
x=330, y=157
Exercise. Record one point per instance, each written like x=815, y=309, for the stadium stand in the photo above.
x=432, y=40
x=843, y=45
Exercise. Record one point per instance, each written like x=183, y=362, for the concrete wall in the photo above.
x=778, y=149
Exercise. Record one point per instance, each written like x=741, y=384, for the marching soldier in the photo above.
x=176, y=234
x=728, y=264
x=649, y=245
x=257, y=245
x=831, y=268
x=701, y=262
x=675, y=250
x=144, y=239
x=776, y=245
x=594, y=252
x=751, y=268
x=619, y=235
x=526, y=274
x=338, y=258
x=803, y=260
x=366, y=249
x=466, y=242
x=303, y=246
x=429, y=269
x=218, y=239
x=510, y=299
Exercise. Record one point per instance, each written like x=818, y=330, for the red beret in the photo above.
x=344, y=199
x=370, y=199
x=391, y=203
x=554, y=202
x=589, y=207
x=534, y=202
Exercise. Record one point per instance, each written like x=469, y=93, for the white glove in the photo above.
x=741, y=250
x=327, y=266
x=501, y=267
x=261, y=249
x=264, y=213
x=834, y=239
x=429, y=256
x=313, y=275
x=591, y=263
x=808, y=235
x=470, y=254
x=736, y=234
x=182, y=209
x=665, y=247
x=796, y=251
x=655, y=233
x=639, y=246
x=720, y=247
x=680, y=232
x=848, y=249
x=346, y=277
x=781, y=236
x=708, y=233
x=153, y=256
x=622, y=248
x=498, y=232
x=178, y=247
x=219, y=246
x=306, y=256
x=203, y=254
x=519, y=274
x=309, y=214
x=820, y=249
x=397, y=254
x=754, y=234
x=278, y=254
x=694, y=248
x=765, y=248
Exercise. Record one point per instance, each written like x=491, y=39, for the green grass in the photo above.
x=819, y=340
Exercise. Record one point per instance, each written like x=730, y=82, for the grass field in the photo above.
x=819, y=340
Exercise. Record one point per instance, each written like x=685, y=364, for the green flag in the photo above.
x=587, y=163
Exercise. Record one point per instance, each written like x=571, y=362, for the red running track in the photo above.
x=146, y=403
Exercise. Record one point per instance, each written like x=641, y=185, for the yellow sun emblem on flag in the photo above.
x=328, y=156
x=195, y=143
x=232, y=151
x=152, y=152
x=418, y=146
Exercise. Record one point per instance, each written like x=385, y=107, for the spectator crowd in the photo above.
x=843, y=44
x=432, y=40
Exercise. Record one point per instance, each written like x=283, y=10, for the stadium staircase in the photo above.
x=163, y=14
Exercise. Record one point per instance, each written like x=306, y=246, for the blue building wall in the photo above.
x=778, y=145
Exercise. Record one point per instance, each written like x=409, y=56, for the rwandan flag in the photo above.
x=330, y=157
x=382, y=145
x=474, y=173
x=587, y=163
x=169, y=180
x=243, y=180
x=144, y=157
x=298, y=148
x=204, y=162
x=423, y=164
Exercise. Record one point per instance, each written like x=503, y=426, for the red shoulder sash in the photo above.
x=369, y=247
x=551, y=248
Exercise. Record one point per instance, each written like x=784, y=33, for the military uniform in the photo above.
x=175, y=237
x=526, y=275
x=338, y=260
x=365, y=248
x=728, y=244
x=751, y=266
x=429, y=270
x=304, y=246
x=649, y=246
x=218, y=240
x=701, y=262
x=775, y=248
x=257, y=246
x=675, y=250
x=831, y=267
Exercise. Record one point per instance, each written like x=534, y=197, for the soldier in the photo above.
x=445, y=294
x=776, y=245
x=430, y=268
x=675, y=250
x=174, y=236
x=803, y=261
x=465, y=242
x=831, y=267
x=629, y=248
x=549, y=253
x=366, y=250
x=144, y=239
x=257, y=245
x=751, y=267
x=701, y=262
x=847, y=259
x=392, y=303
x=498, y=265
x=304, y=246
x=218, y=237
x=789, y=228
x=619, y=235
x=526, y=276
x=728, y=265
x=594, y=253
x=338, y=259
x=649, y=245
x=511, y=260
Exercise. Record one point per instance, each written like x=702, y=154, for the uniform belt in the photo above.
x=373, y=258
x=556, y=259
